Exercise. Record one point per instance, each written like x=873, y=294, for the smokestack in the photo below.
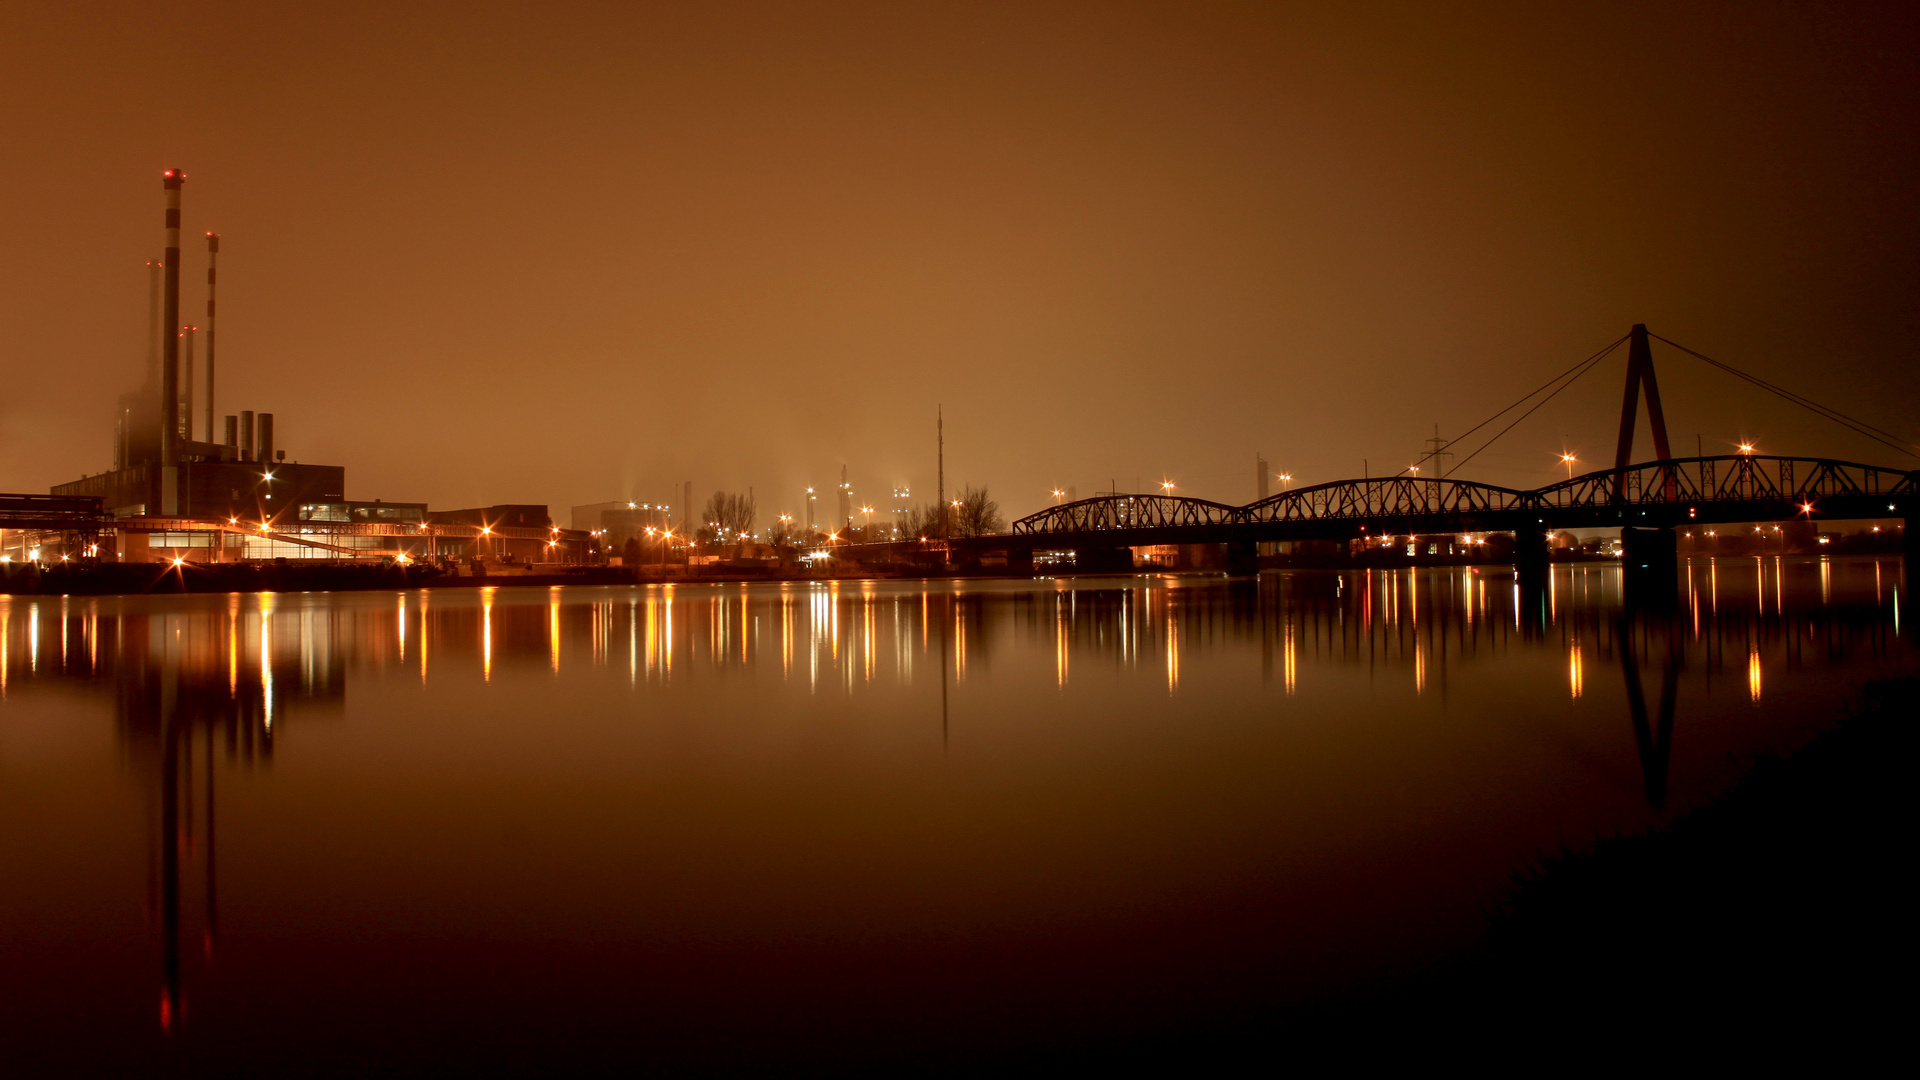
x=186, y=388
x=246, y=434
x=153, y=321
x=264, y=432
x=213, y=261
x=233, y=435
x=169, y=340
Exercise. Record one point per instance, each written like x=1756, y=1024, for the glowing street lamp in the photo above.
x=1746, y=448
x=1568, y=460
x=1285, y=479
x=1166, y=486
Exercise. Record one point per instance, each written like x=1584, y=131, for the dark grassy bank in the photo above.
x=1780, y=913
x=1774, y=923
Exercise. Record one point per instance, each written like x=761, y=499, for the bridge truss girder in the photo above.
x=1666, y=493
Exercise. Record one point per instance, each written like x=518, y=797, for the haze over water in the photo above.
x=833, y=823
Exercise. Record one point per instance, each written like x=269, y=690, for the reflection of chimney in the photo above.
x=213, y=260
x=246, y=434
x=170, y=322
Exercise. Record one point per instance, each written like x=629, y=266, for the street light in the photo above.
x=1746, y=448
x=1568, y=460
x=1285, y=479
x=1166, y=486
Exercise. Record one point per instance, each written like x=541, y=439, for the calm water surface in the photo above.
x=864, y=822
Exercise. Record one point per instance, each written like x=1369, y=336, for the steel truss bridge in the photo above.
x=1657, y=494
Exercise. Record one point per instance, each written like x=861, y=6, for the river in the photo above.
x=834, y=825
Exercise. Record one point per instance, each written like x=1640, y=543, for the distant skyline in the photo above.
x=577, y=253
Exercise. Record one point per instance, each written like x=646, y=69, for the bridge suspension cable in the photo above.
x=1571, y=376
x=1881, y=436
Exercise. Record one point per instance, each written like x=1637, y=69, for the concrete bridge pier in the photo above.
x=1531, y=553
x=1243, y=557
x=1020, y=561
x=1649, y=559
x=1103, y=560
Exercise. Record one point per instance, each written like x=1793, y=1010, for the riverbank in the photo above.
x=1774, y=920
x=1778, y=915
x=1771, y=924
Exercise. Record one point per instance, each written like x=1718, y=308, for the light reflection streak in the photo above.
x=1575, y=676
x=266, y=661
x=1288, y=656
x=1173, y=643
x=401, y=628
x=1753, y=670
x=233, y=645
x=553, y=627
x=486, y=634
x=425, y=622
x=1059, y=643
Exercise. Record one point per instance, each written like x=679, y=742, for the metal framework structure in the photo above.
x=320, y=534
x=1742, y=487
x=1130, y=512
x=51, y=513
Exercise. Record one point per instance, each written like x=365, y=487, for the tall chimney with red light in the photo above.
x=213, y=261
x=170, y=346
x=186, y=385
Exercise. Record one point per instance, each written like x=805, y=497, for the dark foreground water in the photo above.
x=780, y=826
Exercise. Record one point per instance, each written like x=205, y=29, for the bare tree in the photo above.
x=729, y=517
x=920, y=521
x=977, y=514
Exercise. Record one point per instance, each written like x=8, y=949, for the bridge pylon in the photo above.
x=1639, y=375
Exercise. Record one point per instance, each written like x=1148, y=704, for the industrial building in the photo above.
x=179, y=490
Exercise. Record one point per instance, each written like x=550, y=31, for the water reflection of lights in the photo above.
x=1753, y=670
x=1575, y=682
x=266, y=661
x=1173, y=651
x=425, y=623
x=1288, y=658
x=486, y=634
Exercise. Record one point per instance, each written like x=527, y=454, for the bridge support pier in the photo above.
x=1649, y=558
x=1020, y=561
x=1531, y=552
x=1103, y=560
x=1243, y=557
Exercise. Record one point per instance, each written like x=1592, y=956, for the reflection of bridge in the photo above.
x=1660, y=494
